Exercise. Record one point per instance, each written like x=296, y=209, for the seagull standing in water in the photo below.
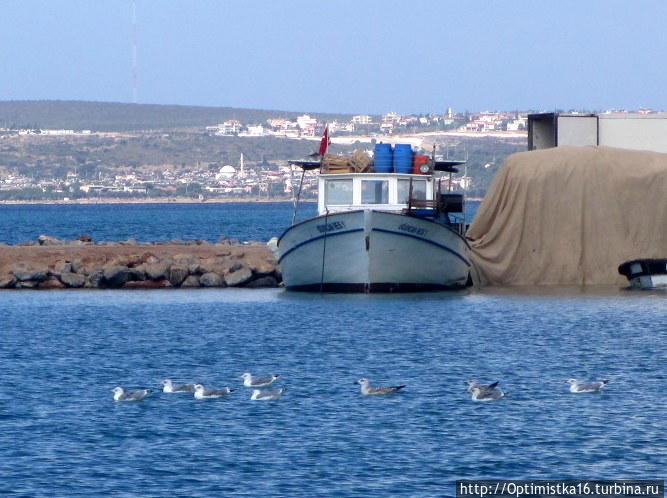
x=593, y=387
x=259, y=395
x=366, y=388
x=120, y=394
x=169, y=387
x=250, y=381
x=201, y=393
x=484, y=388
x=486, y=395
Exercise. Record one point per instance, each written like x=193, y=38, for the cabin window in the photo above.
x=338, y=192
x=375, y=192
x=418, y=190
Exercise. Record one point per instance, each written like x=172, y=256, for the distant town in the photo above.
x=71, y=165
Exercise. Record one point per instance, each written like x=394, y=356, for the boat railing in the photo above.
x=447, y=206
x=422, y=204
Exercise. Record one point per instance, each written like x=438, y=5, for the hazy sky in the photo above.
x=362, y=56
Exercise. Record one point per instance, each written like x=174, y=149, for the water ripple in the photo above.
x=64, y=436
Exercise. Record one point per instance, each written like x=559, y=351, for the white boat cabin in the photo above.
x=381, y=191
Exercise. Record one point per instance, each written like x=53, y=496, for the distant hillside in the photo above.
x=109, y=116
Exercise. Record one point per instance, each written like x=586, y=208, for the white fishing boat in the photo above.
x=645, y=273
x=379, y=232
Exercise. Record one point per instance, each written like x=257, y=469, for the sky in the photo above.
x=340, y=56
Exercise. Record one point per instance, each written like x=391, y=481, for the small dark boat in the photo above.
x=645, y=273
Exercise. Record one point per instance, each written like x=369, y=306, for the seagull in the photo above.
x=250, y=381
x=478, y=394
x=577, y=387
x=484, y=388
x=259, y=395
x=119, y=394
x=367, y=389
x=170, y=387
x=201, y=393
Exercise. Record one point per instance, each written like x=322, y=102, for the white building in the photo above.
x=255, y=130
x=226, y=171
x=517, y=124
x=57, y=132
x=335, y=126
x=306, y=121
x=362, y=119
x=279, y=123
x=230, y=127
x=391, y=117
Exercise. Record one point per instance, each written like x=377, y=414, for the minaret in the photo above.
x=242, y=173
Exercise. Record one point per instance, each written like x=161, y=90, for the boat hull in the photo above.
x=372, y=251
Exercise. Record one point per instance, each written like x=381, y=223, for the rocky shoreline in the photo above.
x=50, y=263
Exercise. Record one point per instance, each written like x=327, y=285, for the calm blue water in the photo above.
x=154, y=222
x=149, y=222
x=61, y=352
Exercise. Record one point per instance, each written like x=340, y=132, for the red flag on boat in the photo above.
x=324, y=143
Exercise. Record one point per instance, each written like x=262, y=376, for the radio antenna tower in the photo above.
x=135, y=70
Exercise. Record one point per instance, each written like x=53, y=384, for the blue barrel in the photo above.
x=383, y=158
x=403, y=158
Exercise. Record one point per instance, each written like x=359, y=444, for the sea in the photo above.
x=61, y=352
x=157, y=222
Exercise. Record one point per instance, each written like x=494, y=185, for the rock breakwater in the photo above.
x=50, y=263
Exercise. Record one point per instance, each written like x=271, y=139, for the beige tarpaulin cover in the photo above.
x=570, y=216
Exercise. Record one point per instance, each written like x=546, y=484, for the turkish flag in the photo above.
x=324, y=143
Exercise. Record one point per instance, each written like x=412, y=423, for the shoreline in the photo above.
x=171, y=200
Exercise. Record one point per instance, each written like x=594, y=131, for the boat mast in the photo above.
x=298, y=195
x=324, y=143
